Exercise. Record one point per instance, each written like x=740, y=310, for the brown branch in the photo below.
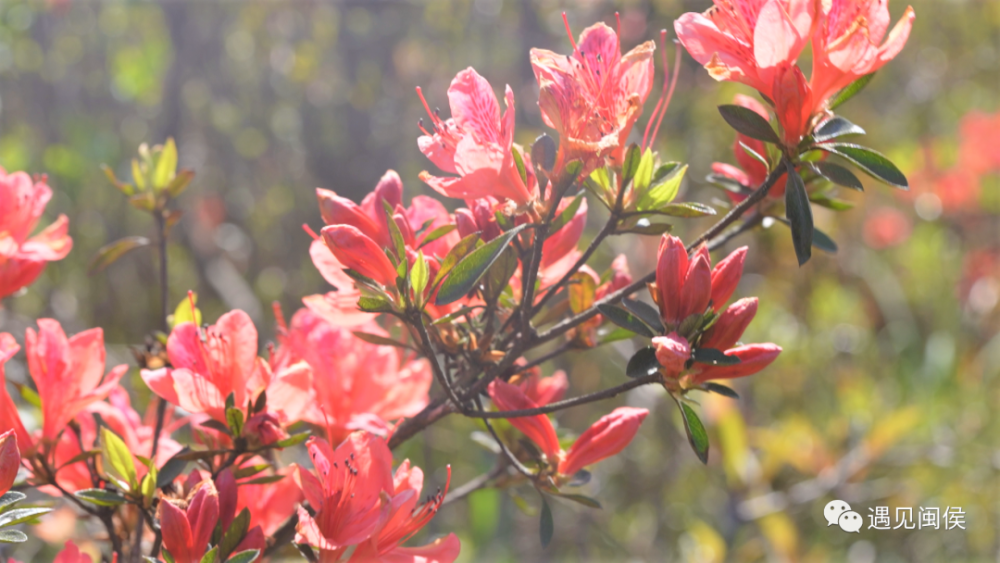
x=575, y=401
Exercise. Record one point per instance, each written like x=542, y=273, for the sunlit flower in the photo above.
x=594, y=96
x=10, y=460
x=186, y=533
x=23, y=257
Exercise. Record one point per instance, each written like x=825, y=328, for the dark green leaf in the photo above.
x=12, y=536
x=250, y=470
x=19, y=515
x=457, y=252
x=543, y=152
x=875, y=164
x=631, y=164
x=835, y=127
x=687, y=209
x=499, y=274
x=580, y=478
x=697, y=436
x=838, y=175
x=436, y=234
x=216, y=425
x=467, y=272
x=799, y=215
x=824, y=242
x=721, y=390
x=248, y=556
x=643, y=363
x=380, y=340
x=110, y=253
x=617, y=334
x=664, y=170
x=11, y=497
x=260, y=405
x=749, y=122
x=234, y=535
x=398, y=244
x=100, y=497
x=726, y=183
x=546, y=525
x=713, y=357
x=624, y=319
x=646, y=313
x=851, y=90
x=582, y=499
x=170, y=471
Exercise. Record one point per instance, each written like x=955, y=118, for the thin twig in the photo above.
x=575, y=401
x=431, y=354
x=503, y=447
x=477, y=483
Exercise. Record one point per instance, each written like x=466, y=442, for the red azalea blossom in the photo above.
x=593, y=97
x=23, y=257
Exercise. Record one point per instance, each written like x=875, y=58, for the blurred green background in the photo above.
x=885, y=395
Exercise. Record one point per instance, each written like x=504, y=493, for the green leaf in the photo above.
x=624, y=319
x=519, y=163
x=29, y=395
x=218, y=426
x=139, y=175
x=824, y=200
x=643, y=363
x=166, y=556
x=166, y=165
x=543, y=152
x=721, y=390
x=212, y=556
x=756, y=155
x=19, y=515
x=467, y=272
x=374, y=304
x=116, y=459
x=143, y=201
x=749, y=123
x=148, y=485
x=127, y=189
x=644, y=175
x=873, y=163
x=170, y=471
x=581, y=499
x=823, y=242
x=546, y=525
x=234, y=418
x=499, y=274
x=713, y=357
x=582, y=291
x=419, y=275
x=250, y=470
x=293, y=440
x=260, y=404
x=646, y=313
x=696, y=434
x=664, y=170
x=835, y=127
x=12, y=536
x=799, y=214
x=457, y=252
x=851, y=90
x=662, y=193
x=687, y=209
x=838, y=175
x=566, y=215
x=248, y=556
x=194, y=455
x=398, y=244
x=617, y=334
x=100, y=497
x=110, y=253
x=631, y=163
x=80, y=457
x=234, y=535
x=180, y=182
x=11, y=497
x=436, y=234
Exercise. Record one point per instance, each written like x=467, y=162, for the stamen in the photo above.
x=309, y=230
x=569, y=32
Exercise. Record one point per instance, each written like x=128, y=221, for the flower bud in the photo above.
x=726, y=276
x=603, y=439
x=672, y=351
x=10, y=460
x=728, y=329
x=538, y=428
x=359, y=253
x=671, y=268
x=697, y=288
x=753, y=358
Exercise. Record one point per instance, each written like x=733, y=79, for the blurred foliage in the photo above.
x=885, y=395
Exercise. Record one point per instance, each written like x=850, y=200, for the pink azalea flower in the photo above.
x=210, y=364
x=68, y=373
x=186, y=533
x=357, y=384
x=72, y=554
x=22, y=259
x=270, y=504
x=10, y=420
x=476, y=144
x=10, y=460
x=594, y=96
